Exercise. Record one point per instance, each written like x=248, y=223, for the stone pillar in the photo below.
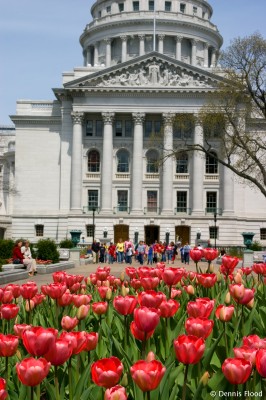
x=88, y=55
x=76, y=161
x=137, y=170
x=167, y=195
x=107, y=162
x=178, y=47
x=141, y=45
x=66, y=137
x=160, y=44
x=108, y=52
x=206, y=54
x=197, y=174
x=213, y=58
x=194, y=52
x=96, y=54
x=124, y=47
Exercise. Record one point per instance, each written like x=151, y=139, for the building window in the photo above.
x=148, y=128
x=99, y=128
x=122, y=161
x=183, y=129
x=99, y=14
x=39, y=229
x=157, y=126
x=118, y=128
x=211, y=202
x=213, y=232
x=152, y=200
x=121, y=7
x=263, y=234
x=108, y=9
x=203, y=14
x=211, y=164
x=152, y=162
x=89, y=128
x=135, y=5
x=128, y=128
x=182, y=163
x=195, y=10
x=93, y=161
x=167, y=6
x=92, y=199
x=151, y=5
x=89, y=229
x=182, y=8
x=122, y=196
x=181, y=201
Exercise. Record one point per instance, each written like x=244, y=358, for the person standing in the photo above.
x=150, y=255
x=95, y=251
x=186, y=253
x=141, y=252
x=120, y=247
x=129, y=253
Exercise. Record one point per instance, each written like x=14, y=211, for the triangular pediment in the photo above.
x=151, y=71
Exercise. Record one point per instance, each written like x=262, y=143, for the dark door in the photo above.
x=152, y=233
x=121, y=232
x=183, y=233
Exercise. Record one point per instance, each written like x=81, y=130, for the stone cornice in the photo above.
x=35, y=120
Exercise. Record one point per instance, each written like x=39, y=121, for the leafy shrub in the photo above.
x=47, y=250
x=66, y=244
x=256, y=246
x=235, y=252
x=6, y=248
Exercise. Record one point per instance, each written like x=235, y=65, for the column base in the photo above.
x=137, y=212
x=106, y=211
x=167, y=212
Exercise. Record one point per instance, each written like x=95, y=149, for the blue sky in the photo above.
x=40, y=39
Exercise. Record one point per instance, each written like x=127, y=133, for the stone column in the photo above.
x=66, y=137
x=194, y=52
x=137, y=168
x=206, y=54
x=228, y=190
x=197, y=174
x=167, y=195
x=88, y=55
x=160, y=44
x=96, y=54
x=108, y=52
x=107, y=162
x=141, y=45
x=124, y=47
x=213, y=58
x=76, y=161
x=178, y=47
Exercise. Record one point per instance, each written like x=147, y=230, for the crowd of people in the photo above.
x=125, y=251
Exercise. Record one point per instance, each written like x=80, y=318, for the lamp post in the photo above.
x=167, y=235
x=215, y=232
x=93, y=223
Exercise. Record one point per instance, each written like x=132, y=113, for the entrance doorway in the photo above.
x=183, y=233
x=152, y=233
x=121, y=231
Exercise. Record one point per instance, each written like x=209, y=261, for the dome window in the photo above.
x=182, y=8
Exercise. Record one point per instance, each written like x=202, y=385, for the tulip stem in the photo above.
x=56, y=383
x=185, y=383
x=70, y=381
x=143, y=353
x=225, y=340
x=38, y=392
x=31, y=392
x=148, y=395
x=126, y=332
x=7, y=369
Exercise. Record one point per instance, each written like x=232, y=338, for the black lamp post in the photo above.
x=215, y=231
x=93, y=223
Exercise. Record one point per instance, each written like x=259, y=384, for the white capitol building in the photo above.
x=97, y=145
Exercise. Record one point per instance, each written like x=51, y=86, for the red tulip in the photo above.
x=236, y=370
x=210, y=254
x=175, y=293
x=146, y=272
x=168, y=308
x=1, y=296
x=106, y=372
x=32, y=371
x=79, y=299
x=149, y=282
x=59, y=353
x=117, y=392
x=131, y=272
x=254, y=341
x=189, y=349
x=207, y=280
x=20, y=328
x=8, y=345
x=66, y=299
x=196, y=254
x=146, y=318
x=75, y=288
x=139, y=334
x=246, y=352
x=259, y=268
x=171, y=276
x=147, y=374
x=7, y=296
x=125, y=305
x=102, y=273
x=151, y=298
x=189, y=289
x=248, y=296
x=224, y=313
x=54, y=290
x=135, y=283
x=59, y=276
x=246, y=270
x=83, y=311
x=200, y=327
x=3, y=392
x=102, y=290
x=77, y=339
x=38, y=341
x=68, y=323
x=9, y=311
x=28, y=290
x=201, y=308
x=100, y=307
x=91, y=341
x=70, y=280
x=261, y=362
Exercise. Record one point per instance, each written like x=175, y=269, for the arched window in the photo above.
x=211, y=164
x=122, y=161
x=182, y=163
x=93, y=161
x=152, y=162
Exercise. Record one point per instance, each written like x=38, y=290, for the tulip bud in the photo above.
x=109, y=294
x=190, y=290
x=211, y=269
x=124, y=291
x=88, y=281
x=29, y=305
x=238, y=278
x=122, y=276
x=205, y=378
x=150, y=357
x=82, y=311
x=239, y=271
x=250, y=305
x=227, y=299
x=219, y=276
x=124, y=380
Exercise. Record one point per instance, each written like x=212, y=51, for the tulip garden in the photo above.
x=159, y=333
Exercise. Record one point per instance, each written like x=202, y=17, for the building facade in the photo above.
x=93, y=157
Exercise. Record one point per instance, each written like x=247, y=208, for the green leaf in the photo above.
x=82, y=383
x=209, y=353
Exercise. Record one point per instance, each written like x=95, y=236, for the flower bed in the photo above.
x=154, y=333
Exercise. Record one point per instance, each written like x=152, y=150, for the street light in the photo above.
x=215, y=232
x=93, y=223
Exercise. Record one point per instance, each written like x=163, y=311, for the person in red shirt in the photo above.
x=17, y=254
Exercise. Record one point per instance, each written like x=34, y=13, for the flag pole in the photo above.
x=154, y=27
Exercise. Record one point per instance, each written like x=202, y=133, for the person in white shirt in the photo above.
x=28, y=260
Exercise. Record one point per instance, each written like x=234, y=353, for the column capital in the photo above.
x=161, y=36
x=77, y=117
x=108, y=117
x=205, y=45
x=168, y=118
x=123, y=38
x=179, y=39
x=107, y=40
x=138, y=118
x=141, y=36
x=194, y=42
